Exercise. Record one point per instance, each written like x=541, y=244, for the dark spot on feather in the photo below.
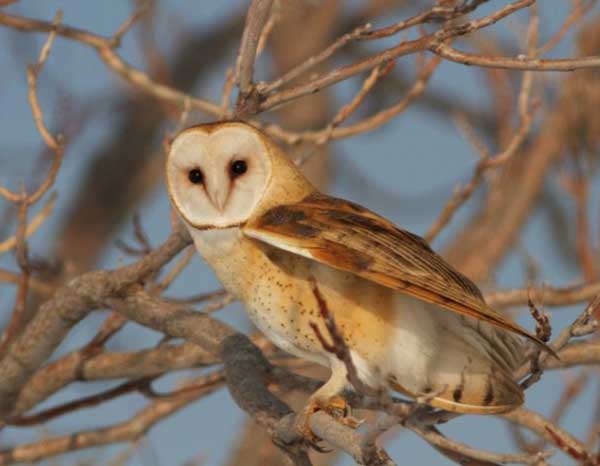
x=489, y=393
x=457, y=393
x=343, y=256
x=305, y=231
x=363, y=221
x=281, y=216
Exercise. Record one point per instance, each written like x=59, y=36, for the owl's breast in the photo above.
x=281, y=304
x=230, y=256
x=273, y=285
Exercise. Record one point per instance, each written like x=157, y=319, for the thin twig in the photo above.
x=256, y=18
x=338, y=346
x=36, y=222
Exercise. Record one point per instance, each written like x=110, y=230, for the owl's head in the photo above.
x=218, y=174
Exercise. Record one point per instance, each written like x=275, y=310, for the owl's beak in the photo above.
x=219, y=194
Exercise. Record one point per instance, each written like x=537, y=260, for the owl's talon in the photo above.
x=302, y=425
x=337, y=407
x=317, y=447
x=351, y=422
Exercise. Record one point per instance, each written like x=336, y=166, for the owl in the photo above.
x=412, y=323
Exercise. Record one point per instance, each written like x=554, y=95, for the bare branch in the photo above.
x=520, y=63
x=37, y=221
x=256, y=18
x=67, y=307
x=129, y=430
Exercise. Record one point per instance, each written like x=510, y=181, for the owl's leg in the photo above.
x=327, y=398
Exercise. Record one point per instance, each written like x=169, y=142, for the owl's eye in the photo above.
x=195, y=176
x=238, y=167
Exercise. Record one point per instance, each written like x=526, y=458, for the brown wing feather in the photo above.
x=349, y=237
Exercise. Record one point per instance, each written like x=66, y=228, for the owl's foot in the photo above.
x=303, y=426
x=336, y=406
x=339, y=408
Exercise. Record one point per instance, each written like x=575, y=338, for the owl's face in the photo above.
x=217, y=174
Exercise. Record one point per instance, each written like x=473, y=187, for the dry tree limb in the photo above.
x=105, y=48
x=552, y=296
x=340, y=74
x=435, y=14
x=523, y=417
x=142, y=385
x=581, y=7
x=464, y=454
x=36, y=222
x=25, y=199
x=274, y=16
x=22, y=256
x=576, y=354
x=346, y=111
x=199, y=298
x=550, y=432
x=177, y=269
x=521, y=62
x=526, y=112
x=364, y=125
x=227, y=90
x=54, y=143
x=572, y=389
x=404, y=48
x=248, y=372
x=543, y=329
x=462, y=194
x=39, y=286
x=129, y=430
x=126, y=26
x=256, y=19
x=246, y=368
x=348, y=440
x=376, y=74
x=82, y=366
x=68, y=306
x=313, y=61
x=81, y=403
x=578, y=187
x=584, y=324
x=496, y=225
x=580, y=326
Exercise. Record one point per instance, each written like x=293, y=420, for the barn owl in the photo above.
x=412, y=323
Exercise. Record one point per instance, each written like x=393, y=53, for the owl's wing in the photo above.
x=348, y=237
